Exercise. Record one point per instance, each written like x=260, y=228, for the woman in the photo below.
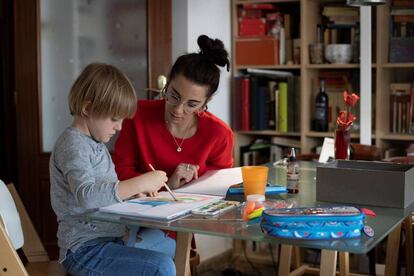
x=177, y=134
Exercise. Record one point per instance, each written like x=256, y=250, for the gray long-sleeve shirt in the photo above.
x=82, y=179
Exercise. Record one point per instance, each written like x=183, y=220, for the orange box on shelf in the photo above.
x=257, y=51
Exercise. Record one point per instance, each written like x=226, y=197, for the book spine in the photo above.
x=282, y=120
x=236, y=103
x=411, y=121
x=254, y=88
x=245, y=104
x=261, y=108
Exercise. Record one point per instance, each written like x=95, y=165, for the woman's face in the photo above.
x=183, y=99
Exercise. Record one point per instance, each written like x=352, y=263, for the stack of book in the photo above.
x=402, y=31
x=401, y=108
x=267, y=100
x=340, y=24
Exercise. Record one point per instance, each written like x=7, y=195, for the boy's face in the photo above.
x=102, y=129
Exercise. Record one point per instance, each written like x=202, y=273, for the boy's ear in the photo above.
x=85, y=109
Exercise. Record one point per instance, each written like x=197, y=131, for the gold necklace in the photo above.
x=179, y=145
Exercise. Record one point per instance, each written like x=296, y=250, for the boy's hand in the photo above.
x=148, y=184
x=183, y=174
x=153, y=181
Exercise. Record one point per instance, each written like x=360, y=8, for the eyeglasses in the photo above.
x=174, y=99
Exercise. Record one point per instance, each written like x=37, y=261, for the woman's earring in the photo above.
x=200, y=112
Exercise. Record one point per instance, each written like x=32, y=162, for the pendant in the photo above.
x=179, y=149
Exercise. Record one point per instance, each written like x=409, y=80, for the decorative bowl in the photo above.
x=338, y=53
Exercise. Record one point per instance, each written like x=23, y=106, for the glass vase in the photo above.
x=342, y=140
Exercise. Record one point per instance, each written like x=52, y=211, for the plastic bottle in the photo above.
x=292, y=173
x=321, y=109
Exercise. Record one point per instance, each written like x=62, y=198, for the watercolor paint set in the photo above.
x=215, y=208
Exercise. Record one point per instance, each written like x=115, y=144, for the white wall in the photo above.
x=192, y=18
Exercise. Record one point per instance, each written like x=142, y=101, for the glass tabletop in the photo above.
x=230, y=224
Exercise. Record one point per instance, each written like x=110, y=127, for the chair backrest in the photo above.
x=10, y=217
x=33, y=247
x=11, y=235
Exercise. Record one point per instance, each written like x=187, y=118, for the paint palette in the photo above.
x=215, y=208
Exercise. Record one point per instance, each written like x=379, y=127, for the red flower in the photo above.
x=345, y=119
x=350, y=99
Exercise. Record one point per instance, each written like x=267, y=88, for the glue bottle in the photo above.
x=292, y=173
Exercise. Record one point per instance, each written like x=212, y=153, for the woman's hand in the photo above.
x=183, y=174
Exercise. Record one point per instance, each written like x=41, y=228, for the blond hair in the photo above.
x=105, y=89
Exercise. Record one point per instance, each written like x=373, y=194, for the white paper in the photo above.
x=171, y=210
x=328, y=150
x=214, y=182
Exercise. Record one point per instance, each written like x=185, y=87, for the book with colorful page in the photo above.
x=161, y=207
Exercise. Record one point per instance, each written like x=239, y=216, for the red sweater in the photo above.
x=145, y=140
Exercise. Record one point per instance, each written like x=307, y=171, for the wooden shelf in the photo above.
x=336, y=66
x=399, y=65
x=277, y=67
x=398, y=137
x=333, y=66
x=318, y=134
x=240, y=2
x=269, y=133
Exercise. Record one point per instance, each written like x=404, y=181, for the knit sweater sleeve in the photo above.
x=74, y=165
x=221, y=156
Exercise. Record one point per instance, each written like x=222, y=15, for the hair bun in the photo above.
x=214, y=50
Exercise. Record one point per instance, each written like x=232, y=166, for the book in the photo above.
x=282, y=109
x=241, y=103
x=254, y=103
x=400, y=98
x=411, y=117
x=161, y=207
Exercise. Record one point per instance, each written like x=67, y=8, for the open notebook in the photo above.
x=161, y=207
x=221, y=182
x=213, y=182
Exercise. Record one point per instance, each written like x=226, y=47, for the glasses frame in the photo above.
x=187, y=109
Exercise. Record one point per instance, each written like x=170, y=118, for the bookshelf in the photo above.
x=387, y=74
x=384, y=74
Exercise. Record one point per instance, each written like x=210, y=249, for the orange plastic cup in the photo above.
x=254, y=179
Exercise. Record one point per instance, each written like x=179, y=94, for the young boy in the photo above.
x=83, y=179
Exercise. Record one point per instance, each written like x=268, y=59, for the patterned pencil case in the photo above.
x=314, y=222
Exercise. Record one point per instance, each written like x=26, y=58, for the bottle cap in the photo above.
x=255, y=197
x=292, y=155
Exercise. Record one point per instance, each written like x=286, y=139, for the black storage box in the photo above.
x=366, y=183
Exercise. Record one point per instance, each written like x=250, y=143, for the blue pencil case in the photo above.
x=314, y=222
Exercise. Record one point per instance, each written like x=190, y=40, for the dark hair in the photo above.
x=201, y=68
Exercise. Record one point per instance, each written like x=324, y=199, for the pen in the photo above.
x=165, y=184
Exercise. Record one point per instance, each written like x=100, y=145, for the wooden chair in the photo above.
x=14, y=225
x=365, y=152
